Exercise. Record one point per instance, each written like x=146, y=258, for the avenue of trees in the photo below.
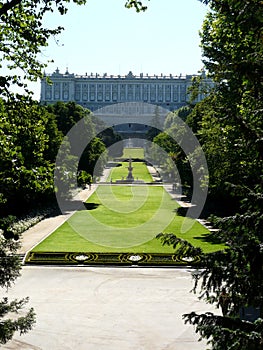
x=227, y=123
x=30, y=138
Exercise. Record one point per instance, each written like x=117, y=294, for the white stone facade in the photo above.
x=98, y=91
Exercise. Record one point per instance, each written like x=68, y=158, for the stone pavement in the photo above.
x=98, y=308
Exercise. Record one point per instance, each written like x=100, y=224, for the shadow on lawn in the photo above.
x=91, y=206
x=76, y=205
x=209, y=238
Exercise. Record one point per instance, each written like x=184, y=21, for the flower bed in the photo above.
x=122, y=259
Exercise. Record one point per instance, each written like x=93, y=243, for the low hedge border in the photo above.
x=122, y=259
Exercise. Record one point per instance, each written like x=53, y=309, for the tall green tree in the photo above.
x=10, y=266
x=156, y=125
x=23, y=35
x=29, y=143
x=167, y=153
x=28, y=135
x=167, y=149
x=67, y=116
x=29, y=140
x=229, y=125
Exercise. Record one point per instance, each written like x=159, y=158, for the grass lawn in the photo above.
x=125, y=219
x=139, y=172
x=133, y=153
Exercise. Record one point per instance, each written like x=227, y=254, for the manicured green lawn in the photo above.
x=133, y=153
x=140, y=172
x=125, y=219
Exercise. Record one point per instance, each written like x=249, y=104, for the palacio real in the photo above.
x=94, y=91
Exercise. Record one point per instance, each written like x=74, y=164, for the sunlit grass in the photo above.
x=125, y=219
x=139, y=172
x=133, y=153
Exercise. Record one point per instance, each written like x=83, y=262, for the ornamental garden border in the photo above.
x=121, y=259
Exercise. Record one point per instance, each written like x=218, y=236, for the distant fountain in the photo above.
x=129, y=179
x=130, y=168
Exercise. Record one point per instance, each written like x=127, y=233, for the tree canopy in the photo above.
x=29, y=143
x=228, y=124
x=24, y=34
x=30, y=136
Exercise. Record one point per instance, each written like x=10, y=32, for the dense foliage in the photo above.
x=69, y=114
x=229, y=126
x=30, y=136
x=23, y=35
x=166, y=150
x=9, y=271
x=29, y=143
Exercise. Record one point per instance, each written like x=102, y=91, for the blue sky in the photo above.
x=105, y=37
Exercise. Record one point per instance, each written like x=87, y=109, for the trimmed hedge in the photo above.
x=128, y=259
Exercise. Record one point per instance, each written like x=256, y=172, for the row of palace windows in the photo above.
x=114, y=97
x=127, y=97
x=152, y=95
x=128, y=87
x=117, y=87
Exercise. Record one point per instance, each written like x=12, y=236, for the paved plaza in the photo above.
x=97, y=308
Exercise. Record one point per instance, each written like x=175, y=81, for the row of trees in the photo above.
x=30, y=138
x=166, y=152
x=30, y=135
x=229, y=126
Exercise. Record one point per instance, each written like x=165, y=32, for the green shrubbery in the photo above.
x=12, y=226
x=84, y=178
